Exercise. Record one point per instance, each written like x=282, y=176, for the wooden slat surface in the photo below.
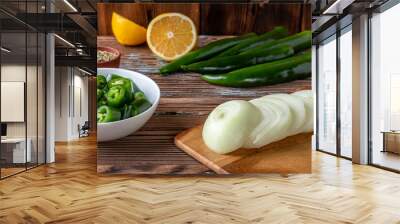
x=185, y=102
x=142, y=13
x=213, y=18
x=290, y=155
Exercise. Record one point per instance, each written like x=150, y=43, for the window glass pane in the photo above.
x=385, y=92
x=327, y=96
x=345, y=93
x=22, y=88
x=15, y=150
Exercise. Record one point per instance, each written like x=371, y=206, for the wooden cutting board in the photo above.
x=290, y=155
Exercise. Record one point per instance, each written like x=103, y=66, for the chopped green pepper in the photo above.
x=116, y=96
x=129, y=86
x=140, y=104
x=138, y=109
x=119, y=98
x=100, y=94
x=107, y=114
x=101, y=82
x=114, y=76
x=134, y=87
x=102, y=101
x=139, y=98
x=126, y=111
x=134, y=111
x=120, y=82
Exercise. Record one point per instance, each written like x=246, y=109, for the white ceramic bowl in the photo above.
x=118, y=129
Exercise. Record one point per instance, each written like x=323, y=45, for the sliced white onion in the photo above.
x=283, y=124
x=307, y=97
x=236, y=124
x=277, y=119
x=229, y=125
x=304, y=93
x=297, y=109
x=269, y=116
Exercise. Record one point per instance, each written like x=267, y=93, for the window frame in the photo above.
x=378, y=10
x=339, y=32
x=27, y=29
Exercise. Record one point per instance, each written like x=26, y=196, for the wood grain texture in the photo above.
x=214, y=18
x=70, y=191
x=234, y=19
x=185, y=102
x=141, y=13
x=306, y=17
x=290, y=155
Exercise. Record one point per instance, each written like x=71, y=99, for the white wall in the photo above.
x=33, y=127
x=70, y=81
x=61, y=114
x=81, y=84
x=16, y=73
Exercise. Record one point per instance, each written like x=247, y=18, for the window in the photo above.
x=327, y=95
x=22, y=101
x=334, y=106
x=385, y=89
x=346, y=92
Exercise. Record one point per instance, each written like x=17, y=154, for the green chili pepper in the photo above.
x=277, y=33
x=139, y=98
x=102, y=101
x=100, y=94
x=140, y=104
x=114, y=76
x=128, y=84
x=286, y=70
x=115, y=99
x=134, y=111
x=142, y=107
x=134, y=87
x=116, y=96
x=126, y=111
x=230, y=63
x=298, y=41
x=101, y=82
x=107, y=114
x=205, y=52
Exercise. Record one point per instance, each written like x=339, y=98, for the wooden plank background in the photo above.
x=213, y=19
x=186, y=100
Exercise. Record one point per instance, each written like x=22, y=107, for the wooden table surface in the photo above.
x=185, y=101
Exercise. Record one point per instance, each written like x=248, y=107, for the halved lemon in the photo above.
x=126, y=31
x=171, y=35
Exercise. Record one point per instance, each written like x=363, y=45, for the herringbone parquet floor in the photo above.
x=70, y=191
